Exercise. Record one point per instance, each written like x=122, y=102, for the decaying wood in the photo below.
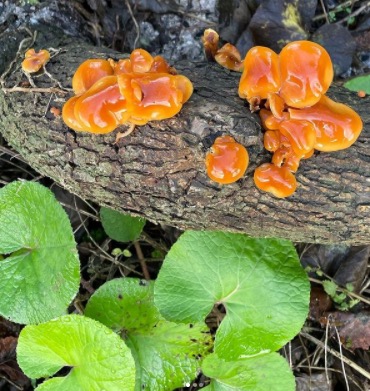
x=158, y=171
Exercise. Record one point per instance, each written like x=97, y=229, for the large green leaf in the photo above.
x=259, y=281
x=259, y=373
x=167, y=354
x=99, y=358
x=360, y=83
x=40, y=277
x=120, y=226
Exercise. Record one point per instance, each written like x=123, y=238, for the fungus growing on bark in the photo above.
x=261, y=74
x=130, y=92
x=101, y=108
x=289, y=90
x=34, y=61
x=337, y=126
x=153, y=96
x=229, y=57
x=227, y=161
x=88, y=73
x=306, y=73
x=276, y=180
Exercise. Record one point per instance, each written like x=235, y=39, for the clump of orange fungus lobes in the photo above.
x=132, y=91
x=298, y=118
x=227, y=161
x=34, y=61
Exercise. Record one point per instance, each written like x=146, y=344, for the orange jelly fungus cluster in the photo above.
x=34, y=61
x=131, y=91
x=227, y=161
x=297, y=116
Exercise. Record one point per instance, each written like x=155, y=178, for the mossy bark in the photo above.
x=158, y=171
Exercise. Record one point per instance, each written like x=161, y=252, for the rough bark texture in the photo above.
x=158, y=171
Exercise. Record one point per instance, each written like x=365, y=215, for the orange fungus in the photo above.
x=261, y=74
x=68, y=114
x=229, y=57
x=301, y=135
x=306, y=73
x=210, y=43
x=34, y=61
x=153, y=96
x=337, y=126
x=88, y=73
x=278, y=181
x=132, y=91
x=227, y=161
x=102, y=108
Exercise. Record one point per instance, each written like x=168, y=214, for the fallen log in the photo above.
x=158, y=171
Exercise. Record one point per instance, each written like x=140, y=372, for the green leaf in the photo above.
x=99, y=358
x=167, y=354
x=360, y=83
x=40, y=277
x=258, y=373
x=121, y=227
x=330, y=287
x=259, y=281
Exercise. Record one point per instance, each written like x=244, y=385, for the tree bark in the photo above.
x=158, y=171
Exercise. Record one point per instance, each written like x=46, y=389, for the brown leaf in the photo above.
x=8, y=328
x=353, y=329
x=7, y=348
x=9, y=368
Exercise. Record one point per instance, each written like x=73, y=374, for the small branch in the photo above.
x=336, y=354
x=50, y=90
x=135, y=22
x=141, y=258
x=355, y=13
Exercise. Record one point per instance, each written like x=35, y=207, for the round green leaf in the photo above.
x=40, y=275
x=359, y=83
x=167, y=354
x=99, y=358
x=259, y=281
x=258, y=373
x=121, y=227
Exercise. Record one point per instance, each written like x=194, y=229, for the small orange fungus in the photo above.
x=229, y=57
x=278, y=181
x=210, y=41
x=55, y=111
x=227, y=161
x=34, y=61
x=361, y=94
